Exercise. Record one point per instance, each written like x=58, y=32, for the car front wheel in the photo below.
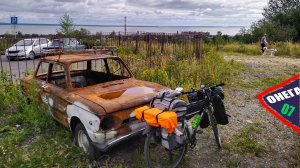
x=83, y=141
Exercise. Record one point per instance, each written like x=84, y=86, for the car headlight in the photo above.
x=109, y=122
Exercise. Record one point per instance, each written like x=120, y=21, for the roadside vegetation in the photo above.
x=29, y=137
x=284, y=49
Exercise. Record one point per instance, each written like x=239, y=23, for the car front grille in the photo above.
x=13, y=51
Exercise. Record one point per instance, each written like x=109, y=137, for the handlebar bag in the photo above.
x=157, y=118
x=219, y=110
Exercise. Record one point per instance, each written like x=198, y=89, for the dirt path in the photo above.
x=254, y=138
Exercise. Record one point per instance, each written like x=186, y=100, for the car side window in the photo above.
x=116, y=68
x=43, y=71
x=98, y=66
x=37, y=42
x=43, y=41
x=57, y=75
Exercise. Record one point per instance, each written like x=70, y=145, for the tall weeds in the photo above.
x=283, y=48
x=184, y=71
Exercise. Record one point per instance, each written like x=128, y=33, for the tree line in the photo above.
x=281, y=22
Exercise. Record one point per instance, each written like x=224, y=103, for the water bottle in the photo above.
x=196, y=121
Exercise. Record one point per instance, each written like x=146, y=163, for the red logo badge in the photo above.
x=282, y=101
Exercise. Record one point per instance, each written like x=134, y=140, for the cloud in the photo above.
x=146, y=12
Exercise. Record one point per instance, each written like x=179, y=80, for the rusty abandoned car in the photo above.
x=94, y=96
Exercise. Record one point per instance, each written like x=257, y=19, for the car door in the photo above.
x=44, y=43
x=54, y=92
x=37, y=47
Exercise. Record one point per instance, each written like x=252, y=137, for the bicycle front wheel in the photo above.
x=156, y=155
x=214, y=126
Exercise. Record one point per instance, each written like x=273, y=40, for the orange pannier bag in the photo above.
x=157, y=117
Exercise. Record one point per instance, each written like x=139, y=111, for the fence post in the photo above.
x=119, y=38
x=149, y=49
x=162, y=43
x=136, y=44
x=100, y=39
x=198, y=51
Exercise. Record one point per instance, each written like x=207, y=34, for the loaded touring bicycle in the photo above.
x=170, y=130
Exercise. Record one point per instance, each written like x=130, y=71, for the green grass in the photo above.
x=295, y=156
x=283, y=48
x=29, y=137
x=245, y=142
x=232, y=162
x=138, y=158
x=247, y=49
x=264, y=81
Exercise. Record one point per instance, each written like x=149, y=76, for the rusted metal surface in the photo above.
x=105, y=109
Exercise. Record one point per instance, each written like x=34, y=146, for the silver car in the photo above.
x=62, y=44
x=27, y=48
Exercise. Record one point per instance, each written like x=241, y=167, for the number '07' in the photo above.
x=287, y=109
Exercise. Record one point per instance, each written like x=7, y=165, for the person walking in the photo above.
x=263, y=42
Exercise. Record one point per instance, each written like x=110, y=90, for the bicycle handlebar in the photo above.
x=211, y=87
x=221, y=84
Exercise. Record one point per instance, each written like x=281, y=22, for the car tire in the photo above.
x=31, y=55
x=9, y=58
x=83, y=141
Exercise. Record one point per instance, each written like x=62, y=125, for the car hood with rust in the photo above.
x=119, y=95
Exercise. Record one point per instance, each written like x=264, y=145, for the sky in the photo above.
x=138, y=12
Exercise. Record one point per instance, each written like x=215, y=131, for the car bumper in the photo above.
x=16, y=55
x=136, y=127
x=49, y=52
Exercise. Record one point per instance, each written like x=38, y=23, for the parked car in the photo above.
x=27, y=48
x=94, y=96
x=62, y=44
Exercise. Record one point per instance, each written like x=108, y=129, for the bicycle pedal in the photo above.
x=199, y=131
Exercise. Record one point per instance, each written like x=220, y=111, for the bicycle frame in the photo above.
x=207, y=109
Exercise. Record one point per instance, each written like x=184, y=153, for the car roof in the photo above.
x=71, y=58
x=33, y=38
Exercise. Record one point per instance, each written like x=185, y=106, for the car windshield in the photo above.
x=88, y=73
x=70, y=41
x=24, y=43
x=55, y=43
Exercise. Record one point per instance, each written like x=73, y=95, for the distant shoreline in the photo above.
x=42, y=24
x=28, y=28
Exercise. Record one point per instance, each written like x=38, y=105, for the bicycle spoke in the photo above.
x=156, y=155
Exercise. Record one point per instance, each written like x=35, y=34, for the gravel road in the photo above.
x=18, y=68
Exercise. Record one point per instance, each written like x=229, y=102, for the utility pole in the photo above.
x=125, y=25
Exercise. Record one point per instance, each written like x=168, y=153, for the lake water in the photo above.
x=51, y=29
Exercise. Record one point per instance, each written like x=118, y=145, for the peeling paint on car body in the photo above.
x=105, y=109
x=90, y=121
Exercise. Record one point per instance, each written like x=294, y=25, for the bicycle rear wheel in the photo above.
x=214, y=126
x=157, y=156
